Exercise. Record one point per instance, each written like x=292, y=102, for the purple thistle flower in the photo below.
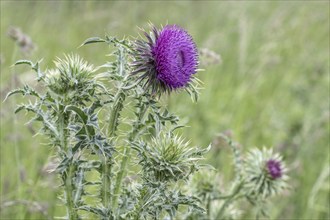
x=265, y=174
x=274, y=168
x=167, y=60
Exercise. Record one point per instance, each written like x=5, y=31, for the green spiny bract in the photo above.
x=168, y=158
x=72, y=79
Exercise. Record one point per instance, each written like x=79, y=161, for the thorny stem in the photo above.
x=106, y=166
x=79, y=189
x=208, y=206
x=106, y=191
x=106, y=174
x=125, y=159
x=117, y=106
x=233, y=196
x=113, y=121
x=237, y=157
x=71, y=212
x=120, y=175
x=119, y=97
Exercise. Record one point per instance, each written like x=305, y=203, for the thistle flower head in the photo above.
x=265, y=173
x=168, y=158
x=71, y=77
x=167, y=60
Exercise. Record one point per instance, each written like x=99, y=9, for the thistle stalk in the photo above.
x=67, y=178
x=120, y=175
x=113, y=121
x=229, y=199
x=237, y=156
x=71, y=211
x=133, y=135
x=106, y=195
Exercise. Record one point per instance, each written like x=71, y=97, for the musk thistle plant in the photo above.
x=141, y=165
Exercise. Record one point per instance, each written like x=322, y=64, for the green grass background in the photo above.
x=271, y=88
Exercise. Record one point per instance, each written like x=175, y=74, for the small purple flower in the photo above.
x=265, y=173
x=168, y=60
x=274, y=168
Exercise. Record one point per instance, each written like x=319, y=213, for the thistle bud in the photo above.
x=168, y=158
x=71, y=77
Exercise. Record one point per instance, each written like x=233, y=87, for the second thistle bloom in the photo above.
x=265, y=173
x=167, y=60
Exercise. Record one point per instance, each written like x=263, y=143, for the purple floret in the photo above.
x=166, y=61
x=274, y=168
x=175, y=56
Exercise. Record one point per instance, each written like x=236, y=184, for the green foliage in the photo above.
x=69, y=114
x=70, y=124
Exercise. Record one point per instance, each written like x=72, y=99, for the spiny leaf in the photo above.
x=16, y=91
x=79, y=145
x=92, y=40
x=78, y=111
x=64, y=165
x=34, y=66
x=19, y=108
x=100, y=211
x=28, y=62
x=25, y=91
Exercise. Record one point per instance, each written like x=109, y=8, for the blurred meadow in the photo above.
x=266, y=83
